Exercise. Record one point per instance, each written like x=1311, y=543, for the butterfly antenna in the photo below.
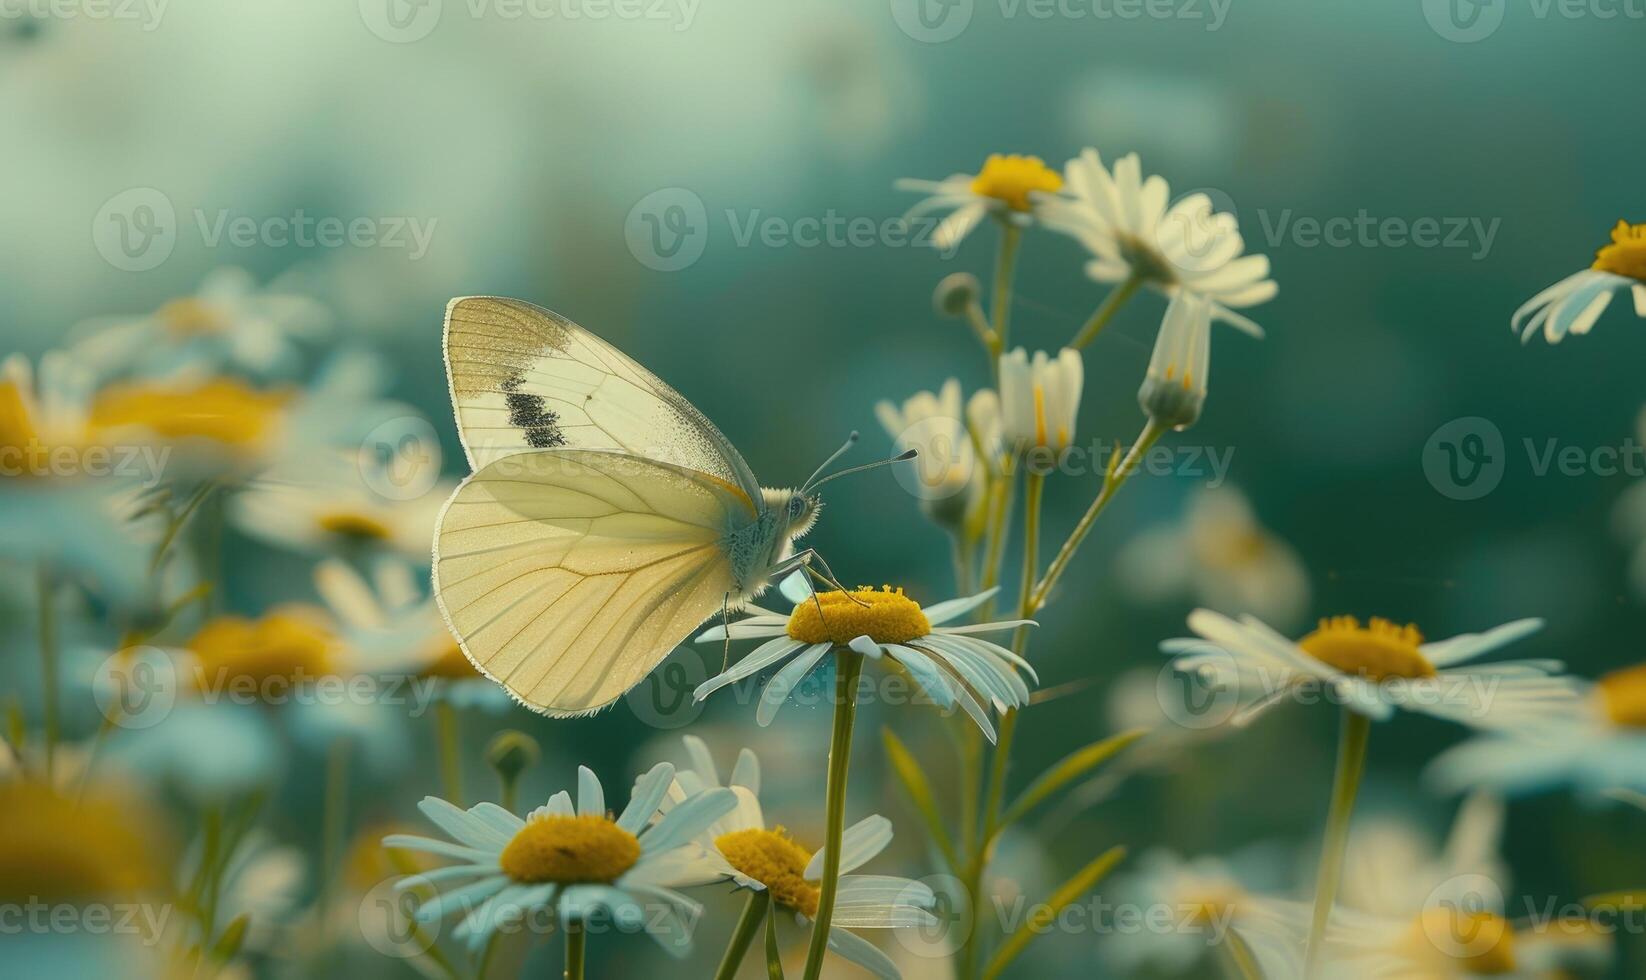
x=851, y=441
x=910, y=454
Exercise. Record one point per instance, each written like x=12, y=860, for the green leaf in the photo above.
x=1073, y=766
x=1240, y=957
x=774, y=957
x=914, y=783
x=228, y=944
x=1042, y=915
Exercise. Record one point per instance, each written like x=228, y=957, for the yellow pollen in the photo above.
x=222, y=410
x=359, y=527
x=585, y=849
x=190, y=317
x=1010, y=178
x=1626, y=254
x=1476, y=943
x=886, y=616
x=1623, y=695
x=1377, y=651
x=287, y=644
x=772, y=858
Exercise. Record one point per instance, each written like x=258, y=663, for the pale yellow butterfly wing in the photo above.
x=568, y=575
x=524, y=378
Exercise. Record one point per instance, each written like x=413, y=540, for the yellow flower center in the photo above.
x=354, y=526
x=886, y=616
x=1623, y=695
x=449, y=662
x=57, y=849
x=1478, y=943
x=586, y=849
x=190, y=317
x=1010, y=178
x=772, y=858
x=1377, y=651
x=1626, y=255
x=285, y=644
x=222, y=410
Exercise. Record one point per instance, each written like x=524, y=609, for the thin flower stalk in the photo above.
x=848, y=667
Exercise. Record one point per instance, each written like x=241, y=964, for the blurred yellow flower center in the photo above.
x=57, y=849
x=1626, y=255
x=885, y=616
x=222, y=410
x=1377, y=651
x=585, y=849
x=1623, y=694
x=1475, y=943
x=1208, y=906
x=284, y=644
x=772, y=858
x=449, y=662
x=190, y=317
x=1010, y=178
x=354, y=525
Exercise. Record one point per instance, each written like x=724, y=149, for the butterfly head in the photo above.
x=800, y=512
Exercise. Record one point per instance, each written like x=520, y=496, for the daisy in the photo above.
x=741, y=848
x=1002, y=189
x=1174, y=385
x=1373, y=669
x=948, y=662
x=949, y=481
x=1039, y=400
x=1597, y=746
x=1573, y=304
x=577, y=861
x=1219, y=554
x=1136, y=239
x=1394, y=865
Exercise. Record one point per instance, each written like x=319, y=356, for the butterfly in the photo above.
x=605, y=517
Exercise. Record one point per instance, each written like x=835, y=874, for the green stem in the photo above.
x=1005, y=266
x=1106, y=310
x=754, y=911
x=48, y=672
x=1152, y=431
x=576, y=950
x=1351, y=763
x=848, y=665
x=1001, y=491
x=333, y=822
x=451, y=752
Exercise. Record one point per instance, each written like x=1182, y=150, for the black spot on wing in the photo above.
x=531, y=416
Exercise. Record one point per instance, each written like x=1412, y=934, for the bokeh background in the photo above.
x=533, y=151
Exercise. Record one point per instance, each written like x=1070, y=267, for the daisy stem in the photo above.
x=848, y=666
x=1001, y=491
x=334, y=821
x=576, y=950
x=1351, y=763
x=451, y=752
x=1005, y=267
x=48, y=670
x=1116, y=478
x=1106, y=311
x=754, y=911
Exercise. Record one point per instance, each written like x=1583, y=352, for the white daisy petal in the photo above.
x=646, y=796
x=759, y=659
x=591, y=796
x=778, y=688
x=864, y=953
x=858, y=845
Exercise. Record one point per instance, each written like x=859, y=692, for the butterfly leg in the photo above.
x=726, y=624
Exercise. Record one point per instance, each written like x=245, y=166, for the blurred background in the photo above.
x=336, y=172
